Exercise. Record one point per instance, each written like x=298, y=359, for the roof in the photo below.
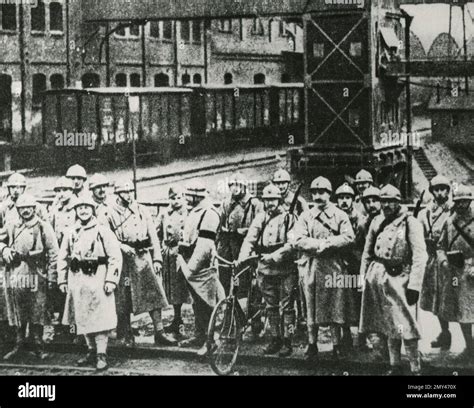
x=461, y=103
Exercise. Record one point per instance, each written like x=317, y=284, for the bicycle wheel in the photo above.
x=224, y=337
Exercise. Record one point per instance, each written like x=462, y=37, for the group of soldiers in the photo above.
x=93, y=260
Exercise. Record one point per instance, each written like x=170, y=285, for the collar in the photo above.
x=329, y=210
x=31, y=223
x=91, y=224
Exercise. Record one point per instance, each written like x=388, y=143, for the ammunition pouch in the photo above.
x=32, y=258
x=87, y=266
x=456, y=259
x=392, y=270
x=139, y=246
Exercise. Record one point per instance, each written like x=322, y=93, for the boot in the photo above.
x=311, y=353
x=38, y=344
x=90, y=359
x=287, y=348
x=19, y=344
x=164, y=339
x=101, y=362
x=274, y=347
x=443, y=341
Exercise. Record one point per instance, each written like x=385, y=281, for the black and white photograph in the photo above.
x=232, y=188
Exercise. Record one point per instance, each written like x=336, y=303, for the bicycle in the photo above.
x=229, y=322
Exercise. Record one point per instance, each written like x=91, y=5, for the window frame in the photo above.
x=61, y=8
x=9, y=30
x=35, y=30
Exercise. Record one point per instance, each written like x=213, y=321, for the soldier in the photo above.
x=78, y=176
x=89, y=266
x=238, y=212
x=433, y=218
x=170, y=232
x=282, y=180
x=345, y=196
x=393, y=264
x=98, y=184
x=140, y=289
x=196, y=258
x=267, y=237
x=371, y=202
x=30, y=251
x=456, y=260
x=321, y=235
x=363, y=181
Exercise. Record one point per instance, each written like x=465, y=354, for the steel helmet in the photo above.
x=16, y=180
x=345, y=189
x=371, y=192
x=271, y=192
x=238, y=179
x=98, y=180
x=463, y=193
x=281, y=176
x=197, y=189
x=124, y=187
x=25, y=200
x=175, y=191
x=62, y=183
x=364, y=177
x=439, y=181
x=85, y=199
x=321, y=183
x=390, y=192
x=76, y=171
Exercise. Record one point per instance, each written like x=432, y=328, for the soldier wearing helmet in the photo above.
x=371, y=202
x=345, y=196
x=98, y=185
x=237, y=213
x=363, y=181
x=456, y=260
x=170, y=232
x=434, y=283
x=196, y=258
x=29, y=249
x=89, y=267
x=321, y=235
x=393, y=264
x=78, y=176
x=141, y=288
x=267, y=237
x=282, y=180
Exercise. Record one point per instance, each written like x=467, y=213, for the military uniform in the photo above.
x=362, y=177
x=328, y=227
x=268, y=236
x=393, y=265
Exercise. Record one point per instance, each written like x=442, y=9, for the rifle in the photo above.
x=293, y=205
x=418, y=204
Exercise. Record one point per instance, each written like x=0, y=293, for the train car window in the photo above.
x=318, y=50
x=39, y=86
x=356, y=49
x=38, y=17
x=228, y=78
x=57, y=81
x=56, y=16
x=9, y=17
x=185, y=116
x=228, y=110
x=155, y=29
x=210, y=112
x=167, y=30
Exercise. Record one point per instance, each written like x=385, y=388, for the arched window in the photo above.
x=121, y=80
x=186, y=79
x=39, y=86
x=162, y=80
x=197, y=79
x=57, y=81
x=56, y=16
x=135, y=80
x=259, y=79
x=228, y=78
x=90, y=80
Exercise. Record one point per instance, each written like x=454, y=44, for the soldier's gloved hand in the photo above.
x=109, y=288
x=158, y=267
x=63, y=288
x=7, y=255
x=412, y=296
x=127, y=250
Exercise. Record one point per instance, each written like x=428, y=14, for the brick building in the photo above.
x=50, y=46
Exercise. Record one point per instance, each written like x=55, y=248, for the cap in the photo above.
x=16, y=180
x=26, y=200
x=281, y=176
x=371, y=192
x=76, y=171
x=321, y=183
x=390, y=192
x=124, y=187
x=271, y=192
x=463, y=193
x=345, y=189
x=98, y=180
x=175, y=191
x=364, y=176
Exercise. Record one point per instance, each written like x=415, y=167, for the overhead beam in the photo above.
x=431, y=68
